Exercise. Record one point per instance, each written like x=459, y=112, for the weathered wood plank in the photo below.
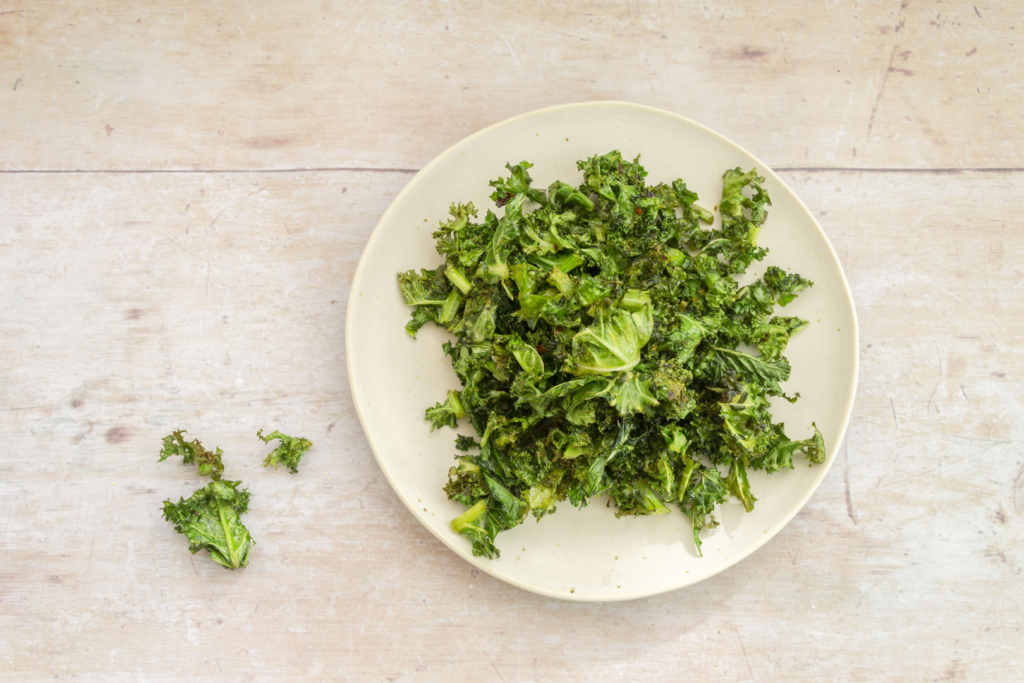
x=138, y=302
x=231, y=85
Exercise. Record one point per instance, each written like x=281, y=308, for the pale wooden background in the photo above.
x=185, y=189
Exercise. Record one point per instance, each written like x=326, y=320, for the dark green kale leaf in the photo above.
x=702, y=491
x=784, y=286
x=289, y=453
x=210, y=520
x=753, y=369
x=604, y=347
x=209, y=462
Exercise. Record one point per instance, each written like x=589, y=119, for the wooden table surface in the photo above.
x=185, y=190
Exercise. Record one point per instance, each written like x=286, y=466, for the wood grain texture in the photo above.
x=135, y=300
x=138, y=303
x=237, y=85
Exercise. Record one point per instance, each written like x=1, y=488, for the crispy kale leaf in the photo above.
x=210, y=520
x=612, y=342
x=604, y=347
x=289, y=453
x=209, y=462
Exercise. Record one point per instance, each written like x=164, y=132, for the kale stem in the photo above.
x=458, y=279
x=232, y=550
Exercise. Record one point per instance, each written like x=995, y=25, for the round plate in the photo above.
x=588, y=554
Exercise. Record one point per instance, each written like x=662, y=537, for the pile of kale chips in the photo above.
x=598, y=343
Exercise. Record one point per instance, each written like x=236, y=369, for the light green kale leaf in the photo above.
x=612, y=343
x=289, y=453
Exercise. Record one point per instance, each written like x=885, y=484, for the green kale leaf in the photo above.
x=289, y=453
x=612, y=343
x=209, y=462
x=210, y=520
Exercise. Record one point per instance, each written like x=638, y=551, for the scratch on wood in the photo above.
x=519, y=68
x=998, y=322
x=931, y=398
x=977, y=12
x=792, y=558
x=885, y=76
x=979, y=438
x=267, y=143
x=1018, y=493
x=895, y=420
x=846, y=481
x=497, y=672
x=745, y=657
x=851, y=513
x=964, y=392
x=217, y=217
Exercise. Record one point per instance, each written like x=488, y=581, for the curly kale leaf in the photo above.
x=753, y=369
x=446, y=413
x=612, y=343
x=429, y=291
x=738, y=485
x=630, y=394
x=473, y=525
x=780, y=456
x=289, y=453
x=426, y=288
x=541, y=498
x=527, y=356
x=742, y=218
x=784, y=286
x=686, y=336
x=562, y=195
x=704, y=490
x=209, y=462
x=210, y=520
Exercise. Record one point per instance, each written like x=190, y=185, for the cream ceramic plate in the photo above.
x=588, y=554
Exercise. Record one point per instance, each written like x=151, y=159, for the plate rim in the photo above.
x=771, y=532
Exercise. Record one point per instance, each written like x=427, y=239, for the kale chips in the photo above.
x=604, y=347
